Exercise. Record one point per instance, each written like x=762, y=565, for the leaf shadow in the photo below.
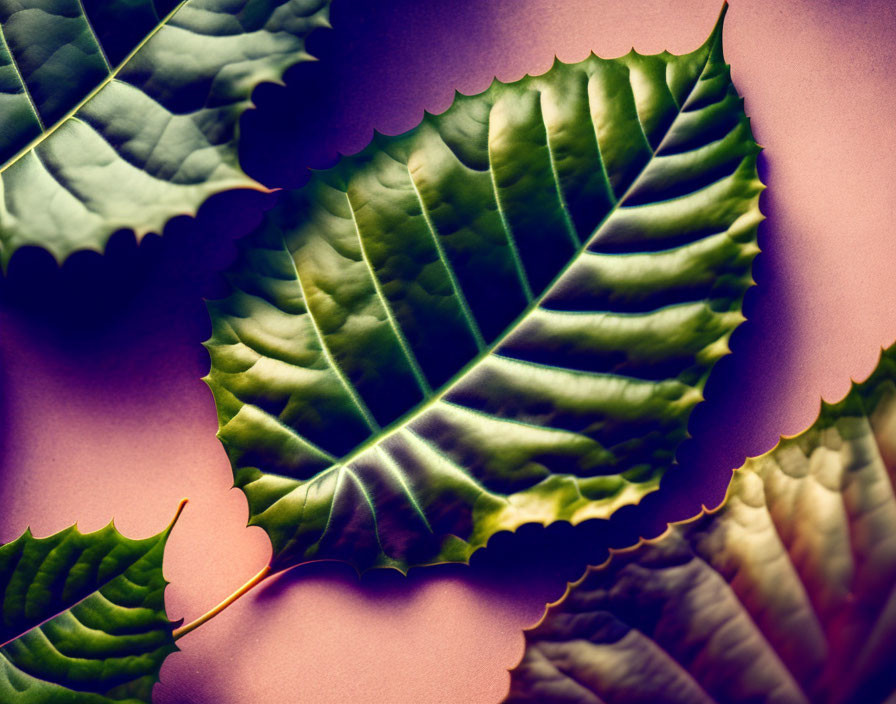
x=117, y=322
x=91, y=292
x=200, y=689
x=328, y=107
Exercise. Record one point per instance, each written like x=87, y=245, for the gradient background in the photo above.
x=104, y=413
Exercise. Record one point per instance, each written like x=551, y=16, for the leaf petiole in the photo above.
x=208, y=616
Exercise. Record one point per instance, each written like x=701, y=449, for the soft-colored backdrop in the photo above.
x=103, y=413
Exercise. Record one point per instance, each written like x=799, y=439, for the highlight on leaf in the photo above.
x=121, y=114
x=502, y=316
x=784, y=593
x=83, y=617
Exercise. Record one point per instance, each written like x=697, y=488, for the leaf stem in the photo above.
x=248, y=586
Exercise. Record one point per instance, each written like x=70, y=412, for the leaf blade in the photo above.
x=478, y=279
x=149, y=139
x=783, y=591
x=83, y=617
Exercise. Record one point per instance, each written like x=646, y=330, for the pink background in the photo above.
x=104, y=413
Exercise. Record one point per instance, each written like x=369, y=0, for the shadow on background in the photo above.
x=382, y=65
x=91, y=293
x=144, y=303
x=120, y=323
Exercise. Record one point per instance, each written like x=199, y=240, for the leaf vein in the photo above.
x=395, y=469
x=564, y=207
x=452, y=276
x=387, y=307
x=25, y=90
x=331, y=361
x=95, y=36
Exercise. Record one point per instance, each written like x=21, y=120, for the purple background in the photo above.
x=104, y=413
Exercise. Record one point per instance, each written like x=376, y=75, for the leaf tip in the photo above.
x=714, y=42
x=180, y=509
x=721, y=20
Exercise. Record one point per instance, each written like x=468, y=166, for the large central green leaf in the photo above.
x=83, y=618
x=785, y=593
x=123, y=113
x=502, y=316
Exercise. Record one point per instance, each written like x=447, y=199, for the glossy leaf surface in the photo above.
x=83, y=618
x=502, y=316
x=786, y=593
x=121, y=114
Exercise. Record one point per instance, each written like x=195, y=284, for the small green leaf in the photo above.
x=502, y=316
x=785, y=593
x=121, y=114
x=83, y=618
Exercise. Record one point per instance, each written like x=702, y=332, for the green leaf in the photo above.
x=502, y=316
x=121, y=114
x=784, y=593
x=83, y=618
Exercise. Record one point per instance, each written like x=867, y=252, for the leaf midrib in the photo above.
x=106, y=81
x=422, y=407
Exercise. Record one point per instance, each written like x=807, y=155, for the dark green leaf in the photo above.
x=502, y=316
x=83, y=618
x=786, y=593
x=123, y=113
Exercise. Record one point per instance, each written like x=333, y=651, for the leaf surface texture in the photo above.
x=83, y=618
x=502, y=316
x=786, y=593
x=121, y=114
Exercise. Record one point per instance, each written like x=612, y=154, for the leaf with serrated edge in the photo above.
x=83, y=618
x=785, y=593
x=500, y=317
x=121, y=114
